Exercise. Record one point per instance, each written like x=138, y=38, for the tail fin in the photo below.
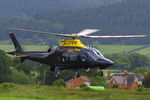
x=16, y=43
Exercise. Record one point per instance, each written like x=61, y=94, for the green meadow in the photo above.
x=145, y=51
x=36, y=92
x=109, y=49
x=25, y=47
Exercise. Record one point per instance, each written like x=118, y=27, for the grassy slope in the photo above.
x=109, y=49
x=33, y=92
x=26, y=47
x=145, y=51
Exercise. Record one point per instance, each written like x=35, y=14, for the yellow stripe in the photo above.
x=72, y=50
x=71, y=43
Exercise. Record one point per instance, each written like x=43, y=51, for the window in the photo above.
x=92, y=53
x=97, y=52
x=75, y=56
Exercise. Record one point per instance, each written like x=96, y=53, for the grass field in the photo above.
x=35, y=92
x=109, y=49
x=15, y=98
x=26, y=47
x=145, y=51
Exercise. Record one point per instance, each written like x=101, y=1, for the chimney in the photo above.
x=126, y=73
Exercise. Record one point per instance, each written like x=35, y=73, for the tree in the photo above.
x=5, y=63
x=66, y=75
x=138, y=60
x=20, y=77
x=130, y=61
x=98, y=81
x=146, y=81
x=141, y=70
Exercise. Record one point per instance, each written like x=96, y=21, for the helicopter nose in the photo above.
x=106, y=62
x=109, y=62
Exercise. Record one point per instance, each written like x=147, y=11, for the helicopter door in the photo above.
x=69, y=56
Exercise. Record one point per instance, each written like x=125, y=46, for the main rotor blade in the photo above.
x=87, y=31
x=27, y=30
x=115, y=36
x=83, y=34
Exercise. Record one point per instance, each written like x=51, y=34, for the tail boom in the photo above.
x=17, y=45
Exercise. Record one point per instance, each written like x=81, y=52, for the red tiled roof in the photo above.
x=84, y=78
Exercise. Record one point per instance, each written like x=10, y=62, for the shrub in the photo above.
x=7, y=86
x=82, y=86
x=115, y=86
x=86, y=88
x=59, y=82
x=140, y=88
x=20, y=77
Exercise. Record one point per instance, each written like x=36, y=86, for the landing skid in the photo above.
x=77, y=74
x=57, y=72
x=101, y=73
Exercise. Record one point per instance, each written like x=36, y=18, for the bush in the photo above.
x=86, y=88
x=59, y=82
x=20, y=77
x=140, y=88
x=82, y=86
x=115, y=86
x=98, y=81
x=7, y=86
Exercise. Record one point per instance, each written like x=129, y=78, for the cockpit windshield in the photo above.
x=94, y=53
x=97, y=52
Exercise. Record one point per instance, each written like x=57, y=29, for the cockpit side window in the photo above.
x=74, y=56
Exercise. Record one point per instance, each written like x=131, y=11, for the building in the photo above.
x=127, y=81
x=77, y=82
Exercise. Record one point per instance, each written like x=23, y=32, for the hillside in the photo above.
x=29, y=7
x=126, y=17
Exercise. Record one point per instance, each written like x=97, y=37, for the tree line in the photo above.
x=35, y=73
x=28, y=8
x=121, y=18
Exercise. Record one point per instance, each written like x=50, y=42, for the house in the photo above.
x=77, y=82
x=127, y=81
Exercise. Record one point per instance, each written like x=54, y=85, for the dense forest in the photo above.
x=24, y=7
x=122, y=17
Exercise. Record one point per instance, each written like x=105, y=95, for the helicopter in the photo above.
x=70, y=54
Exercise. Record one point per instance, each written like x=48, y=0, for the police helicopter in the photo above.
x=70, y=54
